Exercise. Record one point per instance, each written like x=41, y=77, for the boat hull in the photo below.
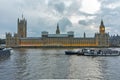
x=4, y=53
x=70, y=53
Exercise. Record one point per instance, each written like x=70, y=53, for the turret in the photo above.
x=57, y=31
x=22, y=27
x=8, y=39
x=70, y=34
x=84, y=35
x=16, y=39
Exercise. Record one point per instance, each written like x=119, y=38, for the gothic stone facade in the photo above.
x=20, y=38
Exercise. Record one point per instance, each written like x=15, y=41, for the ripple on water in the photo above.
x=33, y=64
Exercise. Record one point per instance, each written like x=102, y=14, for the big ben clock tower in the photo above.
x=102, y=28
x=102, y=38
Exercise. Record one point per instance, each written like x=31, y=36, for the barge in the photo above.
x=95, y=52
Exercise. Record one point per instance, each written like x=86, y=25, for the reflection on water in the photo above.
x=34, y=64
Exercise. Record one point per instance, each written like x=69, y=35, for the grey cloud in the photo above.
x=83, y=22
x=73, y=8
x=60, y=7
x=110, y=16
x=37, y=14
x=85, y=14
x=105, y=2
x=64, y=22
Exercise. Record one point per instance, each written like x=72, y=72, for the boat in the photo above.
x=73, y=53
x=102, y=52
x=4, y=52
x=94, y=52
x=70, y=52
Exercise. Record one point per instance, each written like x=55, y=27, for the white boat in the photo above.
x=104, y=52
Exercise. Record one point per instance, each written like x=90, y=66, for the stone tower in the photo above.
x=22, y=28
x=102, y=28
x=102, y=38
x=57, y=31
x=8, y=39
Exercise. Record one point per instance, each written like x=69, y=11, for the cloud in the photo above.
x=59, y=6
x=43, y=15
x=113, y=5
x=83, y=22
x=64, y=22
x=90, y=6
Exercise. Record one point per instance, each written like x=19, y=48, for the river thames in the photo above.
x=35, y=64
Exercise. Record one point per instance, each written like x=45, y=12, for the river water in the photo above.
x=35, y=64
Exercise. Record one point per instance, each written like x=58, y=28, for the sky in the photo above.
x=72, y=15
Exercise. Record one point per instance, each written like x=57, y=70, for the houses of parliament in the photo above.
x=20, y=38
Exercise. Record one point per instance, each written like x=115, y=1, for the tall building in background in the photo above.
x=20, y=39
x=115, y=40
x=22, y=27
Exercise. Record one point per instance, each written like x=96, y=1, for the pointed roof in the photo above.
x=84, y=34
x=57, y=25
x=57, y=31
x=102, y=23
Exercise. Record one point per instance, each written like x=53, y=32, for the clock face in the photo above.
x=103, y=29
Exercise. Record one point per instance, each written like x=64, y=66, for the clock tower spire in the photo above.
x=102, y=28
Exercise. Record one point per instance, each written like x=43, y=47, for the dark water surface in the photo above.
x=35, y=64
